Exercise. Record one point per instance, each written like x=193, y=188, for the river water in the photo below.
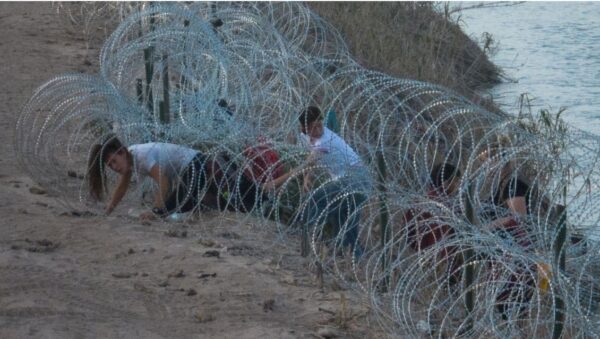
x=551, y=50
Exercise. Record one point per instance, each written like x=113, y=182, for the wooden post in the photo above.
x=149, y=66
x=139, y=91
x=304, y=243
x=165, y=105
x=383, y=210
x=559, y=266
x=468, y=256
x=182, y=84
x=331, y=121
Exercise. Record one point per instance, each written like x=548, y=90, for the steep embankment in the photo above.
x=412, y=40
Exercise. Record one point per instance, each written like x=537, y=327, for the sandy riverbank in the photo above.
x=85, y=276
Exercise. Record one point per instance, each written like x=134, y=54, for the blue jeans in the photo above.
x=338, y=204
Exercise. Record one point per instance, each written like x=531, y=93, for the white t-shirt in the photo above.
x=334, y=153
x=171, y=159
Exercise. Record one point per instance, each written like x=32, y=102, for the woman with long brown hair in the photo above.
x=178, y=172
x=186, y=179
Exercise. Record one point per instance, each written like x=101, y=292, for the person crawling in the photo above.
x=186, y=179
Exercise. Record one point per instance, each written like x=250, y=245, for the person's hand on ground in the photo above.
x=147, y=216
x=109, y=208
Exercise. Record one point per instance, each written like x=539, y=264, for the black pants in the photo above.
x=205, y=183
x=185, y=197
x=244, y=194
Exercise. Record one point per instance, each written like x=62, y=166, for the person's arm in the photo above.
x=306, y=183
x=517, y=207
x=275, y=183
x=307, y=179
x=119, y=192
x=162, y=181
x=499, y=222
x=161, y=194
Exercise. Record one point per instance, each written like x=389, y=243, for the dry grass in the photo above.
x=412, y=40
x=403, y=39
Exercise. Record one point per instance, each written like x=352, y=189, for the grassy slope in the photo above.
x=412, y=40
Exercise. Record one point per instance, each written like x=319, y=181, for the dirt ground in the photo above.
x=65, y=275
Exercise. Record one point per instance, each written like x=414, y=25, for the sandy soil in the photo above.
x=82, y=276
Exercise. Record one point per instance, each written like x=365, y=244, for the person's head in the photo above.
x=445, y=177
x=111, y=153
x=496, y=154
x=311, y=122
x=496, y=162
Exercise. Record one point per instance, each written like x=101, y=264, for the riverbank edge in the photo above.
x=416, y=41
